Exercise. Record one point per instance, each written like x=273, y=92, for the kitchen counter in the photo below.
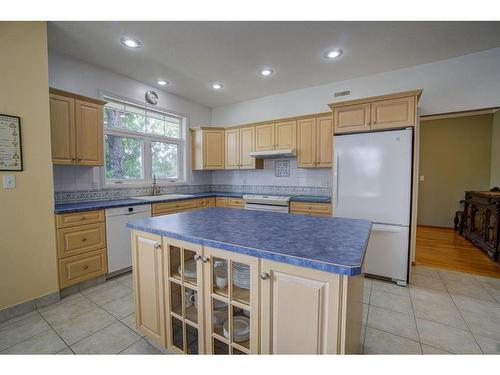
x=330, y=244
x=63, y=208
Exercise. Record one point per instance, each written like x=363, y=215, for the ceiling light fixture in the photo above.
x=266, y=72
x=162, y=82
x=217, y=85
x=130, y=42
x=333, y=53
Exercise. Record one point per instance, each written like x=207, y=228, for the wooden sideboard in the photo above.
x=481, y=221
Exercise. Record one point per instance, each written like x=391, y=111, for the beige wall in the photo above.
x=495, y=152
x=27, y=239
x=454, y=156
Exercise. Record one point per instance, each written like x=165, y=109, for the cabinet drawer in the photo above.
x=306, y=208
x=80, y=239
x=78, y=218
x=235, y=203
x=221, y=202
x=82, y=267
x=173, y=207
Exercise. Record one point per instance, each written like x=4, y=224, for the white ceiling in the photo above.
x=192, y=55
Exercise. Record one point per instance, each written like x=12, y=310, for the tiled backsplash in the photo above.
x=83, y=183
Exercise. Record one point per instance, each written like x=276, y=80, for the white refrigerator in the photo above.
x=372, y=179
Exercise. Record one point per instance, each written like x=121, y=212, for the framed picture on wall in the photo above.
x=11, y=156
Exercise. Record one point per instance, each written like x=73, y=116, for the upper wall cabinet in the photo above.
x=380, y=112
x=315, y=136
x=276, y=136
x=207, y=148
x=76, y=129
x=239, y=143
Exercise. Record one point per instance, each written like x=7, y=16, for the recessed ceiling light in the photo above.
x=333, y=53
x=162, y=82
x=130, y=42
x=266, y=72
x=217, y=85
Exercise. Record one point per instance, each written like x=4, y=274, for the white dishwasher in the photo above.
x=118, y=236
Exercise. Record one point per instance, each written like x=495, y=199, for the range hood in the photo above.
x=274, y=154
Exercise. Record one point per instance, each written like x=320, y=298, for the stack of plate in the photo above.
x=241, y=329
x=189, y=269
x=241, y=275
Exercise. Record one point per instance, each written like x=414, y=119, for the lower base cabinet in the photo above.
x=193, y=299
x=148, y=260
x=318, y=302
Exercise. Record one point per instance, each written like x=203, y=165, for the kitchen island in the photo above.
x=246, y=282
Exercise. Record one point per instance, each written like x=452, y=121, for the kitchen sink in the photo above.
x=162, y=197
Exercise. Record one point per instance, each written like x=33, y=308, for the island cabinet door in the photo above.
x=184, y=296
x=147, y=264
x=231, y=302
x=299, y=310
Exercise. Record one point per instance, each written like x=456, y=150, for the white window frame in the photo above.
x=146, y=139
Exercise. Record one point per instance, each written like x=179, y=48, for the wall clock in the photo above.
x=152, y=97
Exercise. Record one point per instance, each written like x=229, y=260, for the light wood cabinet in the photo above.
x=311, y=209
x=231, y=301
x=247, y=145
x=276, y=136
x=78, y=268
x=148, y=266
x=381, y=112
x=286, y=135
x=315, y=139
x=81, y=246
x=233, y=149
x=327, y=311
x=76, y=129
x=227, y=202
x=89, y=133
x=62, y=129
x=393, y=113
x=239, y=143
x=184, y=296
x=265, y=137
x=324, y=142
x=354, y=118
x=190, y=299
x=207, y=148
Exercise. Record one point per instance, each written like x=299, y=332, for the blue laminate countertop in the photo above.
x=334, y=245
x=64, y=208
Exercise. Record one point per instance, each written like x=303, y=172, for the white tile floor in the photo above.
x=100, y=320
x=443, y=312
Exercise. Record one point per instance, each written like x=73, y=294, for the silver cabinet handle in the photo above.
x=264, y=275
x=204, y=259
x=197, y=257
x=157, y=246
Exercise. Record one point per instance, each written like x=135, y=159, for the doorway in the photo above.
x=458, y=153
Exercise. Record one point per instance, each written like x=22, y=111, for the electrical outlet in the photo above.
x=422, y=178
x=9, y=182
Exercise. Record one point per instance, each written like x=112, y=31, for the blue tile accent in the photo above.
x=334, y=245
x=80, y=206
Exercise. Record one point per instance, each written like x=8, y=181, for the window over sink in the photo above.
x=142, y=142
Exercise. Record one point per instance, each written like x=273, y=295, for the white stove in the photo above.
x=273, y=203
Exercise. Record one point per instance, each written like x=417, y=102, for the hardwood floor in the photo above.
x=445, y=248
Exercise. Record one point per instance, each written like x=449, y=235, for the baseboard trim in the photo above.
x=37, y=303
x=28, y=306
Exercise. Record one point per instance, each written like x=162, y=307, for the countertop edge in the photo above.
x=130, y=201
x=282, y=258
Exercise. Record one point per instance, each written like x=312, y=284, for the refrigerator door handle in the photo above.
x=336, y=190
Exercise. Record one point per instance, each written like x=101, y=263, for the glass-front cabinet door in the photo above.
x=184, y=302
x=231, y=302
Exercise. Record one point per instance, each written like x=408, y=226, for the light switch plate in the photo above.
x=422, y=178
x=9, y=182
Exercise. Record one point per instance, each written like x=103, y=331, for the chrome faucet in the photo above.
x=156, y=188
